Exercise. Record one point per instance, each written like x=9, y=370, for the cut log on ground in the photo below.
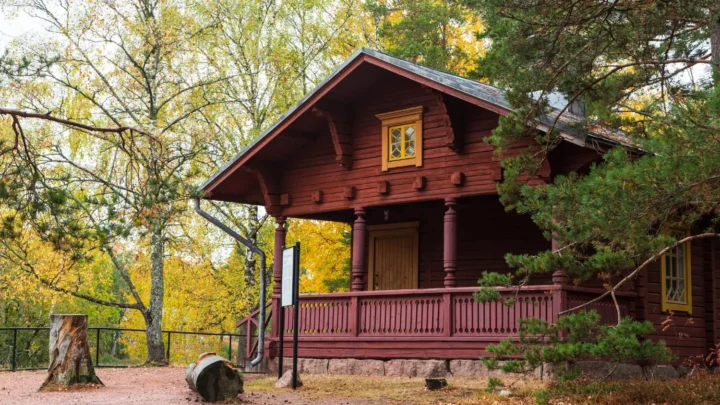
x=214, y=378
x=70, y=360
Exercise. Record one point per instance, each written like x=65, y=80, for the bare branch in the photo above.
x=635, y=272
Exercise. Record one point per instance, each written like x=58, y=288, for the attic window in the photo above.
x=401, y=138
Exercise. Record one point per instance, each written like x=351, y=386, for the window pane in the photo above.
x=395, y=142
x=681, y=291
x=410, y=141
x=395, y=150
x=395, y=135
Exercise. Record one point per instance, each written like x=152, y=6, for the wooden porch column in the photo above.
x=558, y=277
x=359, y=233
x=450, y=242
x=277, y=273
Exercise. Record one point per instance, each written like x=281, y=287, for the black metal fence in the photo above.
x=26, y=348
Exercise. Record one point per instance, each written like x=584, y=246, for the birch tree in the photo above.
x=131, y=67
x=274, y=53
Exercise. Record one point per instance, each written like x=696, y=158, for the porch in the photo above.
x=438, y=323
x=414, y=271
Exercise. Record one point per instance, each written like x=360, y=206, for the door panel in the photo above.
x=393, y=258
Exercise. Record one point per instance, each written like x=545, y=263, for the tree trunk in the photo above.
x=153, y=314
x=214, y=378
x=715, y=46
x=70, y=360
x=250, y=258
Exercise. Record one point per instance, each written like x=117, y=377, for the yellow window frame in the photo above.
x=679, y=306
x=403, y=142
x=410, y=117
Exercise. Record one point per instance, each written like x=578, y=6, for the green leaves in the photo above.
x=630, y=67
x=575, y=337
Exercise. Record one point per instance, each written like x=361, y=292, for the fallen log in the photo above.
x=214, y=378
x=70, y=360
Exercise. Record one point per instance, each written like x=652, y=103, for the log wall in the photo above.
x=486, y=232
x=315, y=168
x=689, y=334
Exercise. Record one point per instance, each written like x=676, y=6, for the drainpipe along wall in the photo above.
x=259, y=252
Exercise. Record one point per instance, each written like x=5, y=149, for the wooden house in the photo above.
x=397, y=151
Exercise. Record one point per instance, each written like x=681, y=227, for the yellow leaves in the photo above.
x=324, y=256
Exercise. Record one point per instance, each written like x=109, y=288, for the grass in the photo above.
x=703, y=389
x=394, y=390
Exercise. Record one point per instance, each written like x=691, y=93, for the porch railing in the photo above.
x=439, y=312
x=251, y=324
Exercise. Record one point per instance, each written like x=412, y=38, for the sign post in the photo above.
x=289, y=297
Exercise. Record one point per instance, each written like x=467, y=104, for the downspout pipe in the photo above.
x=263, y=273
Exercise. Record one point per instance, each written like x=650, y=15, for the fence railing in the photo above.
x=26, y=348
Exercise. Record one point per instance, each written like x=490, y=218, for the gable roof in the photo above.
x=485, y=95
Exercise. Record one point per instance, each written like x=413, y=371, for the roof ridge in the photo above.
x=370, y=51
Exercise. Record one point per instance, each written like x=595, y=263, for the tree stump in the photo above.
x=70, y=360
x=214, y=378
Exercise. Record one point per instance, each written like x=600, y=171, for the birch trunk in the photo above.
x=715, y=46
x=153, y=314
x=250, y=257
x=70, y=360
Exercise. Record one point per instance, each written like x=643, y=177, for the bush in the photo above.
x=494, y=384
x=575, y=337
x=542, y=397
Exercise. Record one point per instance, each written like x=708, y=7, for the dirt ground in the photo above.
x=166, y=386
x=132, y=386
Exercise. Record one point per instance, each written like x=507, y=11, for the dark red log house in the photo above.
x=397, y=150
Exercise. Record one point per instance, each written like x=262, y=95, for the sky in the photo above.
x=14, y=27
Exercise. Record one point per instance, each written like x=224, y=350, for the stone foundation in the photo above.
x=464, y=368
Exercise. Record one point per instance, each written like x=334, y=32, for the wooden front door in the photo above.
x=393, y=259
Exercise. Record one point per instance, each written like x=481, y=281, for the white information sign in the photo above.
x=288, y=262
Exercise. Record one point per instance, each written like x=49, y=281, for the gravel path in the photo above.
x=131, y=386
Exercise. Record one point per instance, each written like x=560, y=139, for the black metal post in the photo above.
x=167, y=354
x=230, y=348
x=14, y=349
x=296, y=274
x=281, y=323
x=97, y=348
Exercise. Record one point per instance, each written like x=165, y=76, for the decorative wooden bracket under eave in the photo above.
x=269, y=182
x=339, y=126
x=449, y=121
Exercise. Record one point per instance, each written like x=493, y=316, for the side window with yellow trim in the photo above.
x=676, y=278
